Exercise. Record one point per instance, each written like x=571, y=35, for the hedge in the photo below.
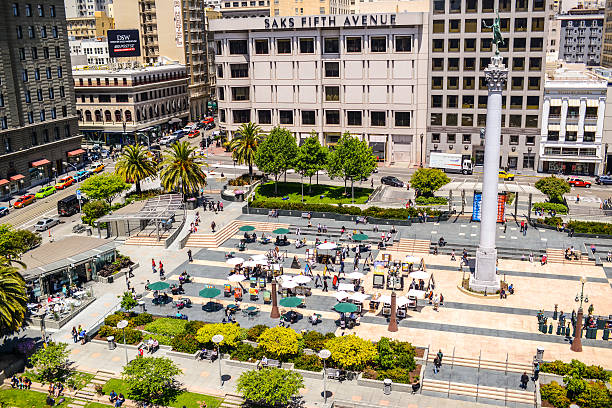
x=547, y=207
x=591, y=372
x=555, y=394
x=590, y=227
x=422, y=200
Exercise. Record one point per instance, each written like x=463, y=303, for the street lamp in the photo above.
x=122, y=325
x=421, y=165
x=577, y=342
x=217, y=339
x=324, y=355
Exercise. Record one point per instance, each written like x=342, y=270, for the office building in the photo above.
x=91, y=51
x=242, y=8
x=581, y=33
x=94, y=26
x=460, y=49
x=38, y=123
x=175, y=31
x=606, y=48
x=115, y=107
x=85, y=8
x=363, y=74
x=309, y=7
x=573, y=117
x=388, y=6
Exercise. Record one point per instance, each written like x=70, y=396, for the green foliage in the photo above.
x=553, y=187
x=164, y=339
x=254, y=332
x=270, y=387
x=15, y=242
x=574, y=384
x=555, y=394
x=597, y=373
x=596, y=395
x=181, y=169
x=578, y=368
x=423, y=200
x=186, y=343
x=151, y=380
x=167, y=326
x=135, y=165
x=51, y=362
x=128, y=302
x=426, y=181
x=193, y=326
x=103, y=186
x=352, y=159
x=141, y=319
x=132, y=336
x=308, y=362
x=395, y=354
x=281, y=342
x=276, y=153
x=246, y=352
x=311, y=157
x=231, y=335
x=13, y=300
x=590, y=227
x=351, y=352
x=552, y=221
x=245, y=143
x=318, y=194
x=243, y=180
x=396, y=374
x=113, y=319
x=315, y=340
x=546, y=207
x=94, y=209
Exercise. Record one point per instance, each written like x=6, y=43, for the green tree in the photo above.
x=245, y=143
x=352, y=159
x=128, y=302
x=181, y=170
x=596, y=395
x=272, y=387
x=103, y=186
x=94, y=209
x=395, y=354
x=152, y=380
x=15, y=242
x=231, y=335
x=280, y=341
x=135, y=165
x=13, y=300
x=553, y=187
x=426, y=181
x=276, y=153
x=311, y=158
x=351, y=352
x=51, y=362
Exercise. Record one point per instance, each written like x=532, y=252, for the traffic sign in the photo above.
x=78, y=194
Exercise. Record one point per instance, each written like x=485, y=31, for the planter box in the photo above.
x=547, y=378
x=117, y=275
x=364, y=382
x=241, y=364
x=179, y=354
x=315, y=375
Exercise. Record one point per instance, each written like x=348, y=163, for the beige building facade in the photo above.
x=606, y=44
x=309, y=7
x=95, y=26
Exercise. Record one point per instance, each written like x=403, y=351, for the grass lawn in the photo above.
x=331, y=194
x=187, y=399
x=26, y=398
x=78, y=378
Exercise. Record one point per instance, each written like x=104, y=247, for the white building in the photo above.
x=85, y=8
x=363, y=74
x=572, y=123
x=89, y=52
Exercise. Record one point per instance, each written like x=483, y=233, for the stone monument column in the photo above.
x=485, y=277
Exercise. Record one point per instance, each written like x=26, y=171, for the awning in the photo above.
x=40, y=162
x=75, y=152
x=17, y=177
x=574, y=102
x=3, y=182
x=555, y=102
x=572, y=128
x=590, y=128
x=592, y=103
x=554, y=127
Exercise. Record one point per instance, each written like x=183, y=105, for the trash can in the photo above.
x=606, y=334
x=541, y=328
x=387, y=383
x=192, y=203
x=550, y=329
x=141, y=305
x=558, y=330
x=111, y=342
x=540, y=354
x=601, y=323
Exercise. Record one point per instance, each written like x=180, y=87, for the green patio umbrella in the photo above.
x=345, y=307
x=246, y=228
x=210, y=292
x=290, y=301
x=281, y=231
x=158, y=286
x=360, y=237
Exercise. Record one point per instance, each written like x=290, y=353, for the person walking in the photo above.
x=325, y=289
x=525, y=230
x=153, y=265
x=524, y=380
x=437, y=364
x=440, y=356
x=212, y=226
x=536, y=371
x=522, y=226
x=75, y=335
x=189, y=255
x=317, y=281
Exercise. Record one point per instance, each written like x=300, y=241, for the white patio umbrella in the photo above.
x=234, y=261
x=402, y=300
x=355, y=275
x=259, y=257
x=412, y=259
x=301, y=279
x=347, y=287
x=250, y=264
x=385, y=299
x=359, y=297
x=289, y=284
x=419, y=294
x=327, y=245
x=341, y=296
x=236, y=278
x=419, y=275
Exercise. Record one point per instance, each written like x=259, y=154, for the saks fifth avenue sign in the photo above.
x=353, y=20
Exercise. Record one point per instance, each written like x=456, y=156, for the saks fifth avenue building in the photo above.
x=365, y=74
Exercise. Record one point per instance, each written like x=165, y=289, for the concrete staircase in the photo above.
x=88, y=392
x=558, y=256
x=146, y=241
x=228, y=231
x=232, y=401
x=484, y=364
x=479, y=391
x=415, y=246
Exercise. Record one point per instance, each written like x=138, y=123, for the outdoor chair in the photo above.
x=271, y=363
x=262, y=283
x=266, y=296
x=227, y=290
x=253, y=281
x=416, y=387
x=314, y=320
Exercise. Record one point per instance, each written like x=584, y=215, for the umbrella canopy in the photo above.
x=302, y=279
x=281, y=231
x=360, y=237
x=419, y=275
x=158, y=286
x=359, y=297
x=342, y=295
x=210, y=292
x=250, y=264
x=419, y=294
x=402, y=300
x=412, y=259
x=234, y=261
x=289, y=284
x=385, y=299
x=246, y=228
x=355, y=275
x=345, y=307
x=290, y=301
x=236, y=278
x=347, y=287
x=259, y=257
x=327, y=245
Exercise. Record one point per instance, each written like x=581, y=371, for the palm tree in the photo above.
x=134, y=165
x=13, y=300
x=244, y=144
x=182, y=169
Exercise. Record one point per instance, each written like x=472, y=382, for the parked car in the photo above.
x=96, y=167
x=82, y=175
x=194, y=133
x=45, y=192
x=210, y=126
x=392, y=181
x=4, y=211
x=603, y=179
x=166, y=140
x=505, y=175
x=46, y=223
x=64, y=182
x=208, y=120
x=24, y=200
x=576, y=182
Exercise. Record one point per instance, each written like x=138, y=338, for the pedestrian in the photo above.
x=317, y=281
x=577, y=198
x=372, y=182
x=127, y=282
x=525, y=230
x=536, y=371
x=212, y=226
x=440, y=355
x=436, y=302
x=75, y=335
x=436, y=367
x=325, y=285
x=505, y=226
x=453, y=255
x=153, y=265
x=189, y=255
x=522, y=226
x=524, y=380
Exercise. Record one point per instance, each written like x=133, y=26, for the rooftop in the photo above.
x=572, y=77
x=103, y=70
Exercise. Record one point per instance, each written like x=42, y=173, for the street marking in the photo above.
x=473, y=235
x=502, y=236
x=514, y=237
x=463, y=226
x=462, y=233
x=543, y=239
x=474, y=226
x=434, y=232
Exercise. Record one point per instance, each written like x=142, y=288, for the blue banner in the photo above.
x=476, y=206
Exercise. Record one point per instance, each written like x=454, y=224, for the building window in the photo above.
x=353, y=44
x=439, y=6
x=43, y=32
x=467, y=101
x=435, y=138
x=283, y=46
x=7, y=145
x=54, y=113
x=332, y=93
x=528, y=160
x=331, y=45
x=264, y=117
x=52, y=11
x=238, y=47
x=451, y=119
x=517, y=83
x=42, y=115
x=438, y=26
x=533, y=102
x=514, y=139
x=518, y=64
x=467, y=119
x=308, y=117
x=221, y=93
x=535, y=64
x=24, y=75
x=306, y=46
x=34, y=51
x=452, y=83
x=481, y=119
x=15, y=9
x=469, y=44
x=219, y=48
x=402, y=119
x=332, y=117
x=531, y=121
x=46, y=135
x=469, y=82
x=354, y=118
x=261, y=47
x=32, y=33
x=451, y=138
x=48, y=72
x=66, y=131
x=240, y=93
x=65, y=111
x=533, y=83
x=239, y=70
x=436, y=101
x=453, y=64
x=22, y=54
x=19, y=32
x=3, y=123
x=39, y=94
x=466, y=139
x=59, y=72
x=403, y=44
x=286, y=117
x=436, y=83
x=378, y=118
x=55, y=32
x=437, y=64
x=516, y=102
x=437, y=45
x=435, y=119
x=28, y=96
x=241, y=115
x=332, y=69
x=378, y=44
x=469, y=64
x=452, y=101
x=589, y=137
x=41, y=11
x=515, y=121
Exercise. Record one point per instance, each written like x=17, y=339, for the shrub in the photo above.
x=132, y=336
x=254, y=332
x=161, y=338
x=112, y=320
x=193, y=326
x=351, y=352
x=395, y=354
x=243, y=180
x=597, y=373
x=315, y=340
x=423, y=200
x=555, y=394
x=575, y=367
x=397, y=374
x=308, y=362
x=167, y=326
x=246, y=352
x=596, y=395
x=93, y=210
x=185, y=344
x=552, y=221
x=142, y=319
x=546, y=207
x=590, y=227
x=279, y=341
x=231, y=335
x=105, y=331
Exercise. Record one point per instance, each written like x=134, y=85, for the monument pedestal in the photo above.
x=485, y=277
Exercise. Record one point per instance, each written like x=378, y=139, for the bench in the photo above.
x=271, y=363
x=306, y=215
x=208, y=355
x=335, y=374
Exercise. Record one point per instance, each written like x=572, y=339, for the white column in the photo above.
x=582, y=115
x=563, y=120
x=545, y=114
x=600, y=120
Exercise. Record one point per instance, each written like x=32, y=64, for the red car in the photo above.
x=576, y=182
x=208, y=120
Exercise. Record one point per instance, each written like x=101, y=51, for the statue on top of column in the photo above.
x=497, y=36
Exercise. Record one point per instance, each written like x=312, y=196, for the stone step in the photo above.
x=79, y=402
x=105, y=372
x=99, y=381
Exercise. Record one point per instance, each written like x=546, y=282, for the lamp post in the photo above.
x=577, y=342
x=324, y=355
x=217, y=339
x=122, y=325
x=421, y=165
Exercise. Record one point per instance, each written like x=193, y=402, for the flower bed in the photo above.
x=120, y=263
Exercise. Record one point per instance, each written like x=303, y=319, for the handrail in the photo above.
x=451, y=371
x=101, y=320
x=478, y=375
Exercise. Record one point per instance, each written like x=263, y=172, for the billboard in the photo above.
x=123, y=43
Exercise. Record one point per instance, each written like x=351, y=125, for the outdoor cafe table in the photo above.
x=346, y=287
